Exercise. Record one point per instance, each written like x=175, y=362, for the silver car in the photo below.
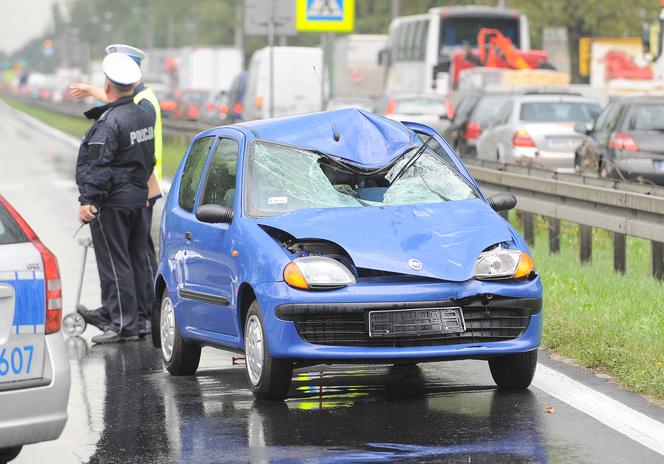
x=537, y=130
x=34, y=370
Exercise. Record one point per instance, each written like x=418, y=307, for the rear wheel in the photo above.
x=180, y=356
x=270, y=378
x=514, y=371
x=7, y=454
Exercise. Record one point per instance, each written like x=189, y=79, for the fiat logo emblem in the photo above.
x=415, y=264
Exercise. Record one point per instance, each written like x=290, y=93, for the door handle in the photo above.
x=187, y=236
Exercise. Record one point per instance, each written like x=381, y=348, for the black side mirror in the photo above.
x=502, y=201
x=384, y=57
x=214, y=214
x=583, y=128
x=442, y=66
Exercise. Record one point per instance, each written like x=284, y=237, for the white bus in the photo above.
x=421, y=46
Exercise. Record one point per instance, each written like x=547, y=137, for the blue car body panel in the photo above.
x=446, y=237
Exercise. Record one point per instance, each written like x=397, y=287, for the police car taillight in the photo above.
x=51, y=272
x=53, y=288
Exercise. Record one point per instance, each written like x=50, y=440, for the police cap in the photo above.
x=136, y=54
x=121, y=69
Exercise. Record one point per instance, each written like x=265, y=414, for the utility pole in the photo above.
x=270, y=43
x=239, y=26
x=396, y=8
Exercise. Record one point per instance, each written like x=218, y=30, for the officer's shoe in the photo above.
x=94, y=317
x=110, y=336
x=144, y=328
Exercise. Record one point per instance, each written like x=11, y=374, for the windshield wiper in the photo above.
x=411, y=160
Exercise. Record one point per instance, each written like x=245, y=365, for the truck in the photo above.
x=209, y=68
x=355, y=72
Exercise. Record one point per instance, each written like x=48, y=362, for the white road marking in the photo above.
x=635, y=425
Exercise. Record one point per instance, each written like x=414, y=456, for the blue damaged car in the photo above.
x=340, y=237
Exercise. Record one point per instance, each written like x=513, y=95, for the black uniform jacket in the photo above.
x=116, y=156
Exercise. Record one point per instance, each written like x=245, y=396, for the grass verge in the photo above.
x=173, y=150
x=604, y=321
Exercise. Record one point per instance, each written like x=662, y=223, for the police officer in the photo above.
x=146, y=99
x=115, y=160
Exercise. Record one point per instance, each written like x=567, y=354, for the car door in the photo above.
x=489, y=140
x=179, y=221
x=211, y=273
x=591, y=147
x=22, y=306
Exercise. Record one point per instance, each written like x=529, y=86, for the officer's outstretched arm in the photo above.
x=81, y=90
x=104, y=147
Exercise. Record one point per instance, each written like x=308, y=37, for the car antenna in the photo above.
x=322, y=89
x=335, y=132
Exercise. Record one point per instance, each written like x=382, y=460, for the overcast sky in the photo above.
x=21, y=20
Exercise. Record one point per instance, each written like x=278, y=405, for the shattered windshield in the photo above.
x=281, y=178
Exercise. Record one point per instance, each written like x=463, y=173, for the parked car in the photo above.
x=339, y=237
x=190, y=104
x=537, y=130
x=425, y=109
x=215, y=110
x=168, y=103
x=34, y=369
x=236, y=95
x=626, y=141
x=472, y=114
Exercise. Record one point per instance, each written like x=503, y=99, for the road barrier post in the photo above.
x=619, y=252
x=658, y=260
x=529, y=227
x=585, y=243
x=554, y=235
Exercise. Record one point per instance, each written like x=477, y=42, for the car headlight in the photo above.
x=502, y=263
x=317, y=272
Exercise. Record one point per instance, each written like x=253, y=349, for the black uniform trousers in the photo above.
x=145, y=313
x=119, y=236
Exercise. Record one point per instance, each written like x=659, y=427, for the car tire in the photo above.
x=269, y=378
x=514, y=371
x=181, y=356
x=155, y=324
x=9, y=454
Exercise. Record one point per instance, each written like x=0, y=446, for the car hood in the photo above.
x=445, y=237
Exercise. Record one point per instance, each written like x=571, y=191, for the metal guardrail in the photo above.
x=624, y=208
x=171, y=126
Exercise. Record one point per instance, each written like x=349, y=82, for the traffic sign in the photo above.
x=325, y=15
x=258, y=14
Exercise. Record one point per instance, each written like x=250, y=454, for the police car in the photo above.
x=34, y=370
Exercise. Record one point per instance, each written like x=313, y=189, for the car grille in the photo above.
x=484, y=323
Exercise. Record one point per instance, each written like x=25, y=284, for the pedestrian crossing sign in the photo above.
x=325, y=15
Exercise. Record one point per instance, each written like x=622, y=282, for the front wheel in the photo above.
x=514, y=371
x=270, y=378
x=8, y=454
x=180, y=356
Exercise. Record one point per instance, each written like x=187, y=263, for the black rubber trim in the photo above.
x=291, y=312
x=205, y=297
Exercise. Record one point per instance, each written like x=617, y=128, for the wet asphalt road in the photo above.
x=124, y=407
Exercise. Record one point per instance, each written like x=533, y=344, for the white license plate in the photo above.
x=415, y=322
x=659, y=166
x=22, y=358
x=563, y=143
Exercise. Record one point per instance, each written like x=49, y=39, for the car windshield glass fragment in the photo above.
x=281, y=179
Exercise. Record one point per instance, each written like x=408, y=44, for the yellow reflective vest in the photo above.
x=149, y=95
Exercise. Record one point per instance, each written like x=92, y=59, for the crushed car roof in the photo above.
x=358, y=136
